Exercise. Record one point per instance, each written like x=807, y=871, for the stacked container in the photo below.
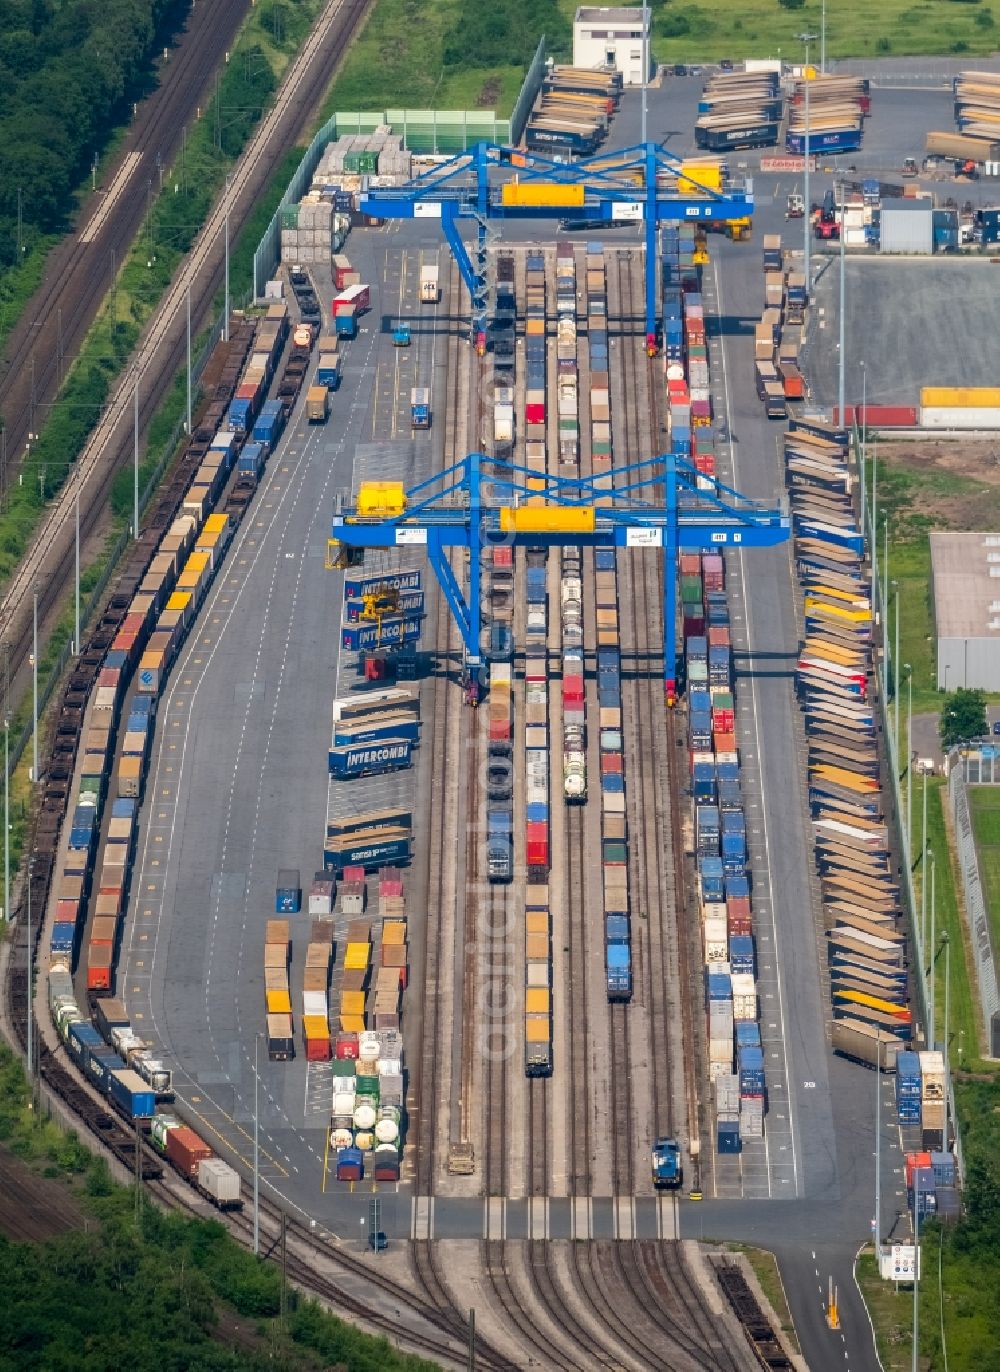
x=315, y=1003
x=277, y=950
x=932, y=1100
x=866, y=941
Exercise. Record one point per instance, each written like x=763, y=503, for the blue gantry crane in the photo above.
x=476, y=504
x=643, y=184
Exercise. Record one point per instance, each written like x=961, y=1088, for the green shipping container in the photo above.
x=602, y=449
x=368, y=162
x=290, y=217
x=691, y=590
x=352, y=162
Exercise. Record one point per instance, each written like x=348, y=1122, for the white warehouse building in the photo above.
x=965, y=569
x=612, y=37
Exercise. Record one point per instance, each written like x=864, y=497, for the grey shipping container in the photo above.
x=907, y=227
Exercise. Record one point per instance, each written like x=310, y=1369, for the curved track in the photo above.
x=78, y=274
x=49, y=560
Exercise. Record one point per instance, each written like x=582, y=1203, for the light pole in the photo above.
x=31, y=972
x=930, y=944
x=895, y=672
x=946, y=945
x=909, y=760
x=6, y=812
x=842, y=378
x=76, y=569
x=225, y=318
x=923, y=873
x=822, y=40
x=135, y=457
x=915, y=1366
x=34, y=683
x=645, y=71
x=806, y=38
x=878, y=1143
x=864, y=453
x=189, y=359
x=256, y=1147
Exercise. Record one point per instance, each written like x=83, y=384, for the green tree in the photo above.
x=963, y=716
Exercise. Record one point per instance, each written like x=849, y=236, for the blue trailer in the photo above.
x=389, y=852
x=500, y=844
x=618, y=961
x=420, y=408
x=288, y=893
x=269, y=423
x=828, y=141
x=239, y=415
x=62, y=940
x=376, y=729
x=101, y=1062
x=369, y=759
x=346, y=324
x=328, y=371
x=389, y=634
x=410, y=603
x=355, y=586
x=616, y=929
x=81, y=1039
x=251, y=461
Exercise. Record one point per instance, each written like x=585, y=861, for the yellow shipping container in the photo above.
x=537, y=1029
x=381, y=499
x=278, y=1003
x=394, y=931
x=961, y=397
x=536, y=1000
x=315, y=1026
x=357, y=955
x=535, y=327
x=217, y=522
x=352, y=1002
x=547, y=519
x=541, y=193
x=536, y=922
x=703, y=175
x=208, y=538
x=179, y=600
x=352, y=1024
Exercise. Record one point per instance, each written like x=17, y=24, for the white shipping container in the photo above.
x=955, y=417
x=219, y=1180
x=744, y=996
x=314, y=1003
x=717, y=1069
x=727, y=1093
x=716, y=941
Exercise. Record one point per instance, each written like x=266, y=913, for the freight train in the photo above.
x=180, y=556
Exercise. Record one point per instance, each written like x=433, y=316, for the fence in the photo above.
x=21, y=740
x=965, y=768
x=529, y=90
x=422, y=131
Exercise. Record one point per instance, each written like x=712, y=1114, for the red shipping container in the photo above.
x=123, y=641
x=500, y=730
x=572, y=690
x=712, y=565
x=134, y=623
x=503, y=557
x=185, y=1150
x=109, y=676
x=347, y=1047
x=318, y=1050
x=611, y=764
x=67, y=911
x=690, y=564
x=718, y=636
x=723, y=720
x=694, y=625
x=99, y=967
x=913, y=1161
x=390, y=887
x=353, y=874
x=115, y=891
x=723, y=742
x=537, y=843
x=349, y=1171
x=534, y=413
x=738, y=920
x=386, y=1171
x=341, y=275
x=104, y=930
x=878, y=416
x=705, y=463
x=677, y=388
x=248, y=390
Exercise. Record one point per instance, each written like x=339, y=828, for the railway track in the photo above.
x=79, y=273
x=48, y=562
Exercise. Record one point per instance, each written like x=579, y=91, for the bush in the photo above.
x=883, y=45
x=504, y=33
x=792, y=4
x=677, y=25
x=984, y=19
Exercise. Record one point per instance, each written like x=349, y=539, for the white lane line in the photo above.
x=756, y=721
x=111, y=197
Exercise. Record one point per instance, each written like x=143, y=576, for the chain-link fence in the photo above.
x=965, y=767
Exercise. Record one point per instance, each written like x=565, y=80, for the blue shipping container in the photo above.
x=371, y=730
x=747, y=1033
x=138, y=1103
x=741, y=957
x=616, y=929
x=390, y=852
x=63, y=938
x=123, y=809
x=619, y=971
x=238, y=415
x=100, y=1064
x=728, y=1136
x=81, y=1039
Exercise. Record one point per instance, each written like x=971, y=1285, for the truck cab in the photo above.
x=666, y=1163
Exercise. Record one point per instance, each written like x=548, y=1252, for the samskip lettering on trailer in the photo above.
x=391, y=851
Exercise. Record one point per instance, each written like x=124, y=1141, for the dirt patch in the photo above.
x=949, y=484
x=33, y=1207
x=489, y=95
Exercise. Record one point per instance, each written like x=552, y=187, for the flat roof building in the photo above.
x=965, y=571
x=612, y=37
